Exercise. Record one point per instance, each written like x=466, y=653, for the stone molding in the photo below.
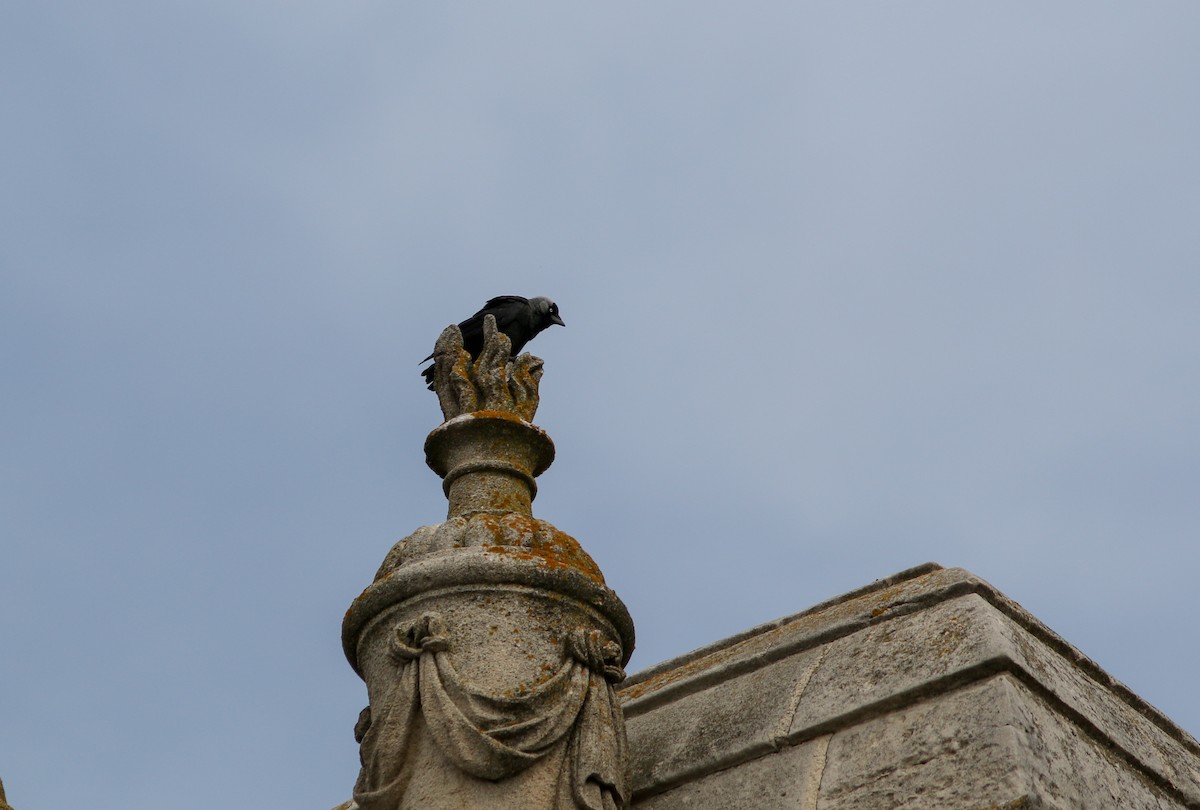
x=800, y=686
x=487, y=550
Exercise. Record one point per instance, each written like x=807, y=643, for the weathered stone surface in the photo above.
x=489, y=460
x=938, y=691
x=1070, y=769
x=731, y=721
x=785, y=780
x=992, y=744
x=895, y=662
x=1171, y=758
x=953, y=751
x=438, y=782
x=963, y=639
x=903, y=593
x=501, y=553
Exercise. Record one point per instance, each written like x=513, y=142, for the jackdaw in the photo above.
x=519, y=318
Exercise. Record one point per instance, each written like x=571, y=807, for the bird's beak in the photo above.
x=556, y=319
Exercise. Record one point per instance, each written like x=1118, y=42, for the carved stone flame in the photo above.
x=491, y=382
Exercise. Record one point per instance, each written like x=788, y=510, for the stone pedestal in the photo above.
x=489, y=643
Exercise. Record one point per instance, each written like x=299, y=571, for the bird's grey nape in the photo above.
x=493, y=381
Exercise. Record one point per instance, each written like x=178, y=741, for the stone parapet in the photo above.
x=929, y=690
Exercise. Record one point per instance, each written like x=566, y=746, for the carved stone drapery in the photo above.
x=493, y=736
x=489, y=643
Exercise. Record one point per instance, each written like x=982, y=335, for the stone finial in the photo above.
x=489, y=643
x=4, y=805
x=493, y=381
x=488, y=460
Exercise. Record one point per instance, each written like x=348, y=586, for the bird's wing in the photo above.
x=505, y=309
x=511, y=313
x=503, y=306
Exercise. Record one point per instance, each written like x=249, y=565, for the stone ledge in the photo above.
x=785, y=780
x=730, y=722
x=652, y=679
x=991, y=744
x=917, y=637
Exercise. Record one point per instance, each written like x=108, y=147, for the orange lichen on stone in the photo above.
x=527, y=538
x=503, y=501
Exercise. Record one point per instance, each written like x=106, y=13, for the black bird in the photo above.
x=519, y=318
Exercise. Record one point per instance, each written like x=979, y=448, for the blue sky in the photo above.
x=848, y=287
